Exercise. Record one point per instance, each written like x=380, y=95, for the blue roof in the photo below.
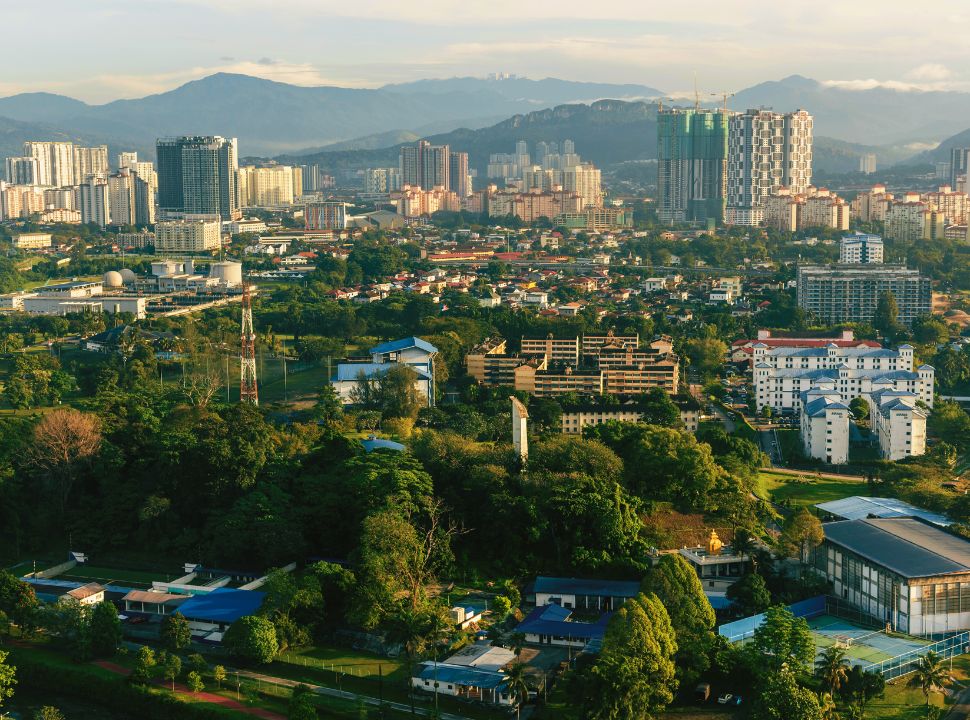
x=222, y=605
x=404, y=344
x=551, y=620
x=381, y=444
x=347, y=372
x=580, y=586
x=461, y=675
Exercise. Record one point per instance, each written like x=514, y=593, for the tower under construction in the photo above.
x=247, y=356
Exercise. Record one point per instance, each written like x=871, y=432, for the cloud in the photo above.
x=929, y=72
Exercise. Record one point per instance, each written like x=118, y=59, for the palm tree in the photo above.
x=832, y=668
x=515, y=677
x=929, y=676
x=827, y=706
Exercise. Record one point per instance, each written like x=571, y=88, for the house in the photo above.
x=576, y=593
x=89, y=594
x=412, y=351
x=462, y=681
x=551, y=625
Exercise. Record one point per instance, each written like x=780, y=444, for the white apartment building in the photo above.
x=585, y=181
x=56, y=162
x=25, y=241
x=187, y=236
x=913, y=220
x=872, y=204
x=23, y=170
x=766, y=152
x=94, y=202
x=121, y=197
x=898, y=423
x=781, y=374
x=266, y=186
x=824, y=424
x=90, y=161
x=861, y=248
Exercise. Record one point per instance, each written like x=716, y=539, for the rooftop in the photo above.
x=222, y=605
x=403, y=344
x=579, y=586
x=907, y=546
x=460, y=675
x=860, y=508
x=554, y=620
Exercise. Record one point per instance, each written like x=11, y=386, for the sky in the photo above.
x=101, y=50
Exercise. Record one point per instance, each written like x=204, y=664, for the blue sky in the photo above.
x=99, y=50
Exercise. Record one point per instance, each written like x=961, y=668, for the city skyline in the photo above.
x=377, y=42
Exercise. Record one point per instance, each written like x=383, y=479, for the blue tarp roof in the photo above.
x=551, y=620
x=381, y=444
x=404, y=344
x=222, y=605
x=579, y=586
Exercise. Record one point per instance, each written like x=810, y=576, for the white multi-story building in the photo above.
x=913, y=220
x=861, y=248
x=90, y=161
x=899, y=423
x=94, y=202
x=56, y=162
x=872, y=204
x=266, y=186
x=585, y=181
x=382, y=181
x=187, y=236
x=781, y=374
x=766, y=152
x=824, y=424
x=23, y=171
x=121, y=197
x=25, y=241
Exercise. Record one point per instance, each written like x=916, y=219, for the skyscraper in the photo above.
x=56, y=160
x=94, y=202
x=691, y=165
x=197, y=176
x=425, y=165
x=766, y=151
x=121, y=197
x=959, y=162
x=458, y=174
x=23, y=171
x=90, y=161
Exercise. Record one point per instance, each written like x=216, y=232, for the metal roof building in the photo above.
x=899, y=570
x=858, y=507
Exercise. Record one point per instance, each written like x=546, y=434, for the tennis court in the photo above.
x=105, y=576
x=862, y=644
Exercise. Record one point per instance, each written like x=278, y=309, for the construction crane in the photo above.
x=247, y=354
x=724, y=95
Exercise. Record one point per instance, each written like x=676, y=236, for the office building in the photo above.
x=90, y=161
x=460, y=180
x=766, y=152
x=56, y=162
x=23, y=171
x=901, y=571
x=850, y=293
x=959, y=162
x=146, y=184
x=173, y=236
x=861, y=248
x=326, y=216
x=197, y=176
x=691, y=165
x=94, y=202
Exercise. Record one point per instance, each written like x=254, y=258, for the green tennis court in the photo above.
x=118, y=576
x=863, y=644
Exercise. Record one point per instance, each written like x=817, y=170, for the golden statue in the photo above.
x=714, y=544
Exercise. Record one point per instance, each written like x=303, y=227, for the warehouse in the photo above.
x=902, y=571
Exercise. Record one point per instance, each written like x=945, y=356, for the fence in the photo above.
x=740, y=630
x=906, y=662
x=54, y=571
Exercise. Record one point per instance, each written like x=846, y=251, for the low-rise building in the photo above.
x=414, y=352
x=32, y=241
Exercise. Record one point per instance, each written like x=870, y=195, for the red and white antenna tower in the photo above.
x=247, y=355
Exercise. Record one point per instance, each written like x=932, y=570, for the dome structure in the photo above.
x=127, y=276
x=112, y=279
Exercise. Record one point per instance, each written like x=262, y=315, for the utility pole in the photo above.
x=248, y=392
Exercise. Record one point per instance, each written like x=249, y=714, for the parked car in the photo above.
x=702, y=692
x=728, y=699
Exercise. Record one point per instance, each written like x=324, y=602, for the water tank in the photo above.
x=165, y=267
x=112, y=279
x=127, y=276
x=229, y=273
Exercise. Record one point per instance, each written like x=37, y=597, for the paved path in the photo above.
x=960, y=709
x=813, y=474
x=221, y=700
x=345, y=695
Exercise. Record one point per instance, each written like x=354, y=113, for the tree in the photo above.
x=252, y=639
x=634, y=676
x=832, y=668
x=782, y=640
x=659, y=409
x=301, y=704
x=172, y=668
x=749, y=595
x=515, y=677
x=48, y=712
x=501, y=607
x=676, y=585
x=929, y=676
x=887, y=314
x=782, y=699
x=64, y=440
x=196, y=662
x=863, y=685
x=194, y=681
x=18, y=601
x=801, y=535
x=827, y=707
x=219, y=674
x=706, y=355
x=144, y=666
x=8, y=678
x=105, y=630
x=174, y=632
x=859, y=407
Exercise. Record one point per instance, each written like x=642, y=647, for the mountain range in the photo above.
x=272, y=118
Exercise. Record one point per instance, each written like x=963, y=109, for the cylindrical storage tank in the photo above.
x=165, y=267
x=112, y=279
x=189, y=268
x=229, y=273
x=127, y=276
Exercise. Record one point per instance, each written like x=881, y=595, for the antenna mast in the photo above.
x=247, y=354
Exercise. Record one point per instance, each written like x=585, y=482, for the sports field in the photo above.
x=116, y=576
x=863, y=644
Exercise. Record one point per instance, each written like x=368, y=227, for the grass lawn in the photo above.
x=800, y=491
x=359, y=664
x=901, y=703
x=105, y=574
